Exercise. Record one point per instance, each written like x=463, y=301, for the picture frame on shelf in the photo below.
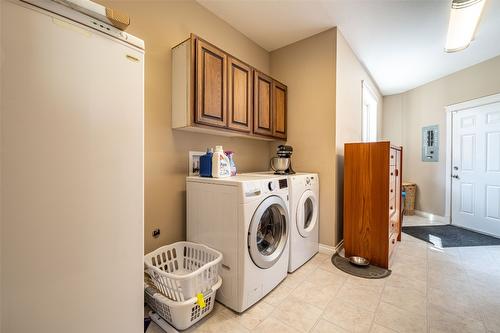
x=194, y=162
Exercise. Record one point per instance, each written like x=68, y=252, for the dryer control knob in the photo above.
x=271, y=186
x=308, y=180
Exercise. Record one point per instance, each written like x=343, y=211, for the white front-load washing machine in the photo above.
x=247, y=219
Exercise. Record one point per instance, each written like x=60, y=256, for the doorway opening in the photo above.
x=473, y=165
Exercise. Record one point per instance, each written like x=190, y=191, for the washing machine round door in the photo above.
x=268, y=232
x=307, y=213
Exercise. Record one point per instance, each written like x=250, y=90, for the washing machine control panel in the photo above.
x=257, y=188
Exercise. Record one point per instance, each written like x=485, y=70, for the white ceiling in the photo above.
x=400, y=42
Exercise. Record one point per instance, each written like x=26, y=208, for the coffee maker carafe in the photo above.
x=282, y=165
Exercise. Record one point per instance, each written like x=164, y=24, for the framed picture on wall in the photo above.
x=194, y=162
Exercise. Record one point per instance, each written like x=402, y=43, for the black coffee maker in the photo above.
x=282, y=165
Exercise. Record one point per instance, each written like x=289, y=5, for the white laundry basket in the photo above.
x=180, y=315
x=182, y=270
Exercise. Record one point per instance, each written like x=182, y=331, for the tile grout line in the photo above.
x=293, y=289
x=322, y=310
x=333, y=299
x=378, y=305
x=481, y=314
x=427, y=284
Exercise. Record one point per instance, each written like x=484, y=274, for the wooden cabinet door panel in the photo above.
x=239, y=96
x=279, y=110
x=263, y=110
x=211, y=81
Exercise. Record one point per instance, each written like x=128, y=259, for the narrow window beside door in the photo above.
x=369, y=114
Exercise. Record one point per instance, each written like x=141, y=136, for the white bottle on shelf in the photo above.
x=221, y=166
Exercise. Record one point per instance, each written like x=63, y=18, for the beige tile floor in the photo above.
x=419, y=220
x=430, y=290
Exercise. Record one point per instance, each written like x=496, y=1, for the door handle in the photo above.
x=455, y=176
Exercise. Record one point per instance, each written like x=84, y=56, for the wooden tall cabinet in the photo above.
x=372, y=200
x=214, y=92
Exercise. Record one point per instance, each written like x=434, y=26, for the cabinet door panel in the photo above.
x=211, y=81
x=263, y=113
x=239, y=96
x=279, y=110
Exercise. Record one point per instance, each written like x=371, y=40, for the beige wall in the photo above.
x=392, y=122
x=162, y=25
x=308, y=69
x=424, y=106
x=350, y=74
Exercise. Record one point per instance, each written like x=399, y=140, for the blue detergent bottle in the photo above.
x=206, y=163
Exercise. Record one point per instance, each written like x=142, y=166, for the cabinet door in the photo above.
x=211, y=83
x=279, y=110
x=263, y=110
x=239, y=96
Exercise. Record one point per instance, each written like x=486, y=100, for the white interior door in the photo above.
x=476, y=169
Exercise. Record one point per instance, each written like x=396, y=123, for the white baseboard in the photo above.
x=433, y=217
x=326, y=249
x=330, y=250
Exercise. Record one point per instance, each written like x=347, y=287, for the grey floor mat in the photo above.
x=450, y=236
x=367, y=272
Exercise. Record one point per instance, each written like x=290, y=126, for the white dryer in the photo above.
x=247, y=219
x=304, y=217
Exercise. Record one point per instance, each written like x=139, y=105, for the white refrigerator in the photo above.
x=71, y=130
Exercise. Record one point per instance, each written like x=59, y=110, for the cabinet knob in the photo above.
x=390, y=208
x=393, y=241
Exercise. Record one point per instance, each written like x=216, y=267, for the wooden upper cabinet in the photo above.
x=279, y=110
x=213, y=92
x=240, y=104
x=211, y=85
x=263, y=104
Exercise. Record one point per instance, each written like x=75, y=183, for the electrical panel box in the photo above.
x=430, y=143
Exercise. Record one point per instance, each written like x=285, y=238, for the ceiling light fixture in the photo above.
x=464, y=18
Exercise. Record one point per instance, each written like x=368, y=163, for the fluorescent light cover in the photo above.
x=464, y=18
